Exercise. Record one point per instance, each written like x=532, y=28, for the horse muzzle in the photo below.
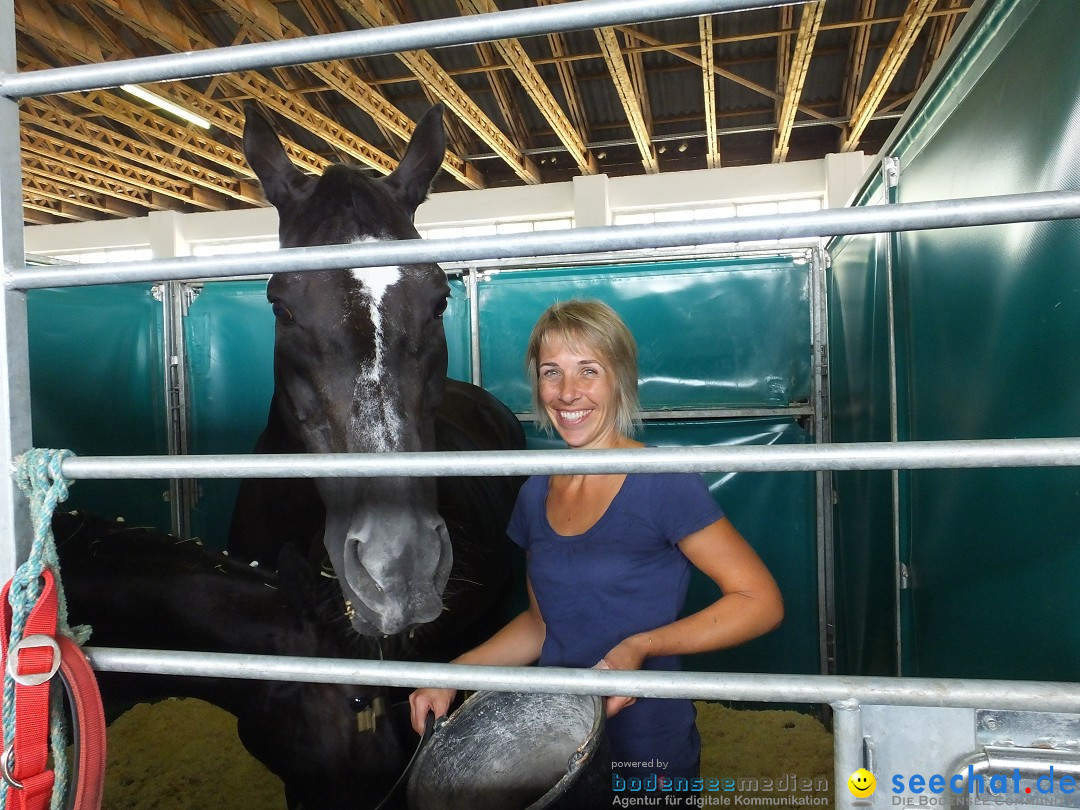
x=392, y=585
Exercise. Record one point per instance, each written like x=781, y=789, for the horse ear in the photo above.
x=410, y=182
x=282, y=182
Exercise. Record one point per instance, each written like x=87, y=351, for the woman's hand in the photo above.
x=630, y=655
x=427, y=700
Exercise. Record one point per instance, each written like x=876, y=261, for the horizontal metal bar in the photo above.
x=751, y=458
x=1018, y=695
x=423, y=35
x=1034, y=206
x=709, y=413
x=493, y=267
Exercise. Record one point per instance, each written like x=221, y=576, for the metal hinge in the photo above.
x=890, y=171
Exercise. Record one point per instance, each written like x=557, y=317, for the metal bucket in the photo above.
x=513, y=751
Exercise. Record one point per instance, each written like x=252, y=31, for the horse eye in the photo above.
x=359, y=703
x=440, y=307
x=281, y=312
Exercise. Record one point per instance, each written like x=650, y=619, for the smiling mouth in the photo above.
x=573, y=417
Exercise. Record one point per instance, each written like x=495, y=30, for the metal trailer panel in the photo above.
x=994, y=316
x=859, y=396
x=97, y=383
x=710, y=334
x=987, y=320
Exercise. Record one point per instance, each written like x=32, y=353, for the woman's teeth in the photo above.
x=573, y=416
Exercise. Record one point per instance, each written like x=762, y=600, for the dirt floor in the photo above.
x=184, y=755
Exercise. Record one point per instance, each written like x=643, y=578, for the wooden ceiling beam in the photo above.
x=515, y=56
x=783, y=53
x=157, y=130
x=36, y=214
x=326, y=18
x=66, y=183
x=172, y=34
x=264, y=18
x=695, y=59
x=636, y=66
x=624, y=87
x=858, y=48
x=907, y=31
x=125, y=154
x=504, y=95
x=374, y=14
x=49, y=200
x=224, y=116
x=567, y=81
x=941, y=30
x=796, y=79
x=708, y=84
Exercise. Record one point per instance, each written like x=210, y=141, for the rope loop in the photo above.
x=40, y=477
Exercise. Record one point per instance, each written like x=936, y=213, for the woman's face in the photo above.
x=577, y=389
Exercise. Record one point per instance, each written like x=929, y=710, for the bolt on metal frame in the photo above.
x=844, y=693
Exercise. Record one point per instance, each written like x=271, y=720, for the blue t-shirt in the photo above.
x=624, y=575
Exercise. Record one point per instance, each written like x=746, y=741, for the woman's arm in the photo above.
x=518, y=643
x=750, y=605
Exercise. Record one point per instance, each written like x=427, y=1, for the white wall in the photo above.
x=589, y=199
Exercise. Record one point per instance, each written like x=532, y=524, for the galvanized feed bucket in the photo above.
x=513, y=751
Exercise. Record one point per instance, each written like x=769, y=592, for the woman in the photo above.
x=609, y=556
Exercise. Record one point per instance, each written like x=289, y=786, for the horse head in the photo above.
x=359, y=367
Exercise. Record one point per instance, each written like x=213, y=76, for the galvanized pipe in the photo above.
x=15, y=432
x=1002, y=695
x=847, y=749
x=771, y=458
x=1008, y=208
x=424, y=35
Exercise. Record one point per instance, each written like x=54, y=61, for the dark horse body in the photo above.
x=360, y=366
x=331, y=745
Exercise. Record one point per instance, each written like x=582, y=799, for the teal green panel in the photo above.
x=859, y=395
x=456, y=325
x=710, y=334
x=96, y=388
x=988, y=319
x=995, y=314
x=230, y=342
x=775, y=513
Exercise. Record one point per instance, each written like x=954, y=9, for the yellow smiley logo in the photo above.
x=862, y=783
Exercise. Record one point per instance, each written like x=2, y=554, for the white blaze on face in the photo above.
x=375, y=418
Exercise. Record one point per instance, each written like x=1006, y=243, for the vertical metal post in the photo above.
x=176, y=296
x=473, y=293
x=890, y=170
x=847, y=750
x=15, y=434
x=819, y=325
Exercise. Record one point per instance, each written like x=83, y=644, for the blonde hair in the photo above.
x=592, y=325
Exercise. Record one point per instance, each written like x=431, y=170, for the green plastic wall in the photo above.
x=97, y=388
x=987, y=329
x=732, y=333
x=729, y=333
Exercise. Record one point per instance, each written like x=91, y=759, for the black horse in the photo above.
x=360, y=364
x=335, y=747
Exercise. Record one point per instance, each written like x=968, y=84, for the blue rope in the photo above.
x=40, y=478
